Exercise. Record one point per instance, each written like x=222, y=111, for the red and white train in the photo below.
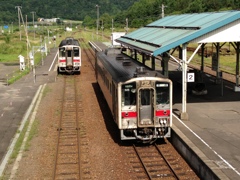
x=139, y=98
x=69, y=56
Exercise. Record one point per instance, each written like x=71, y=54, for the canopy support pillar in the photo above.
x=184, y=114
x=237, y=87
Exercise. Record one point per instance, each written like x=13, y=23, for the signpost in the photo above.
x=21, y=62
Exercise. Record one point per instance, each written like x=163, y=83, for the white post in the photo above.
x=184, y=115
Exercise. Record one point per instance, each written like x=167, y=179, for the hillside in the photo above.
x=136, y=13
x=71, y=9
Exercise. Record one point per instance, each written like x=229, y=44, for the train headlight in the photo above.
x=165, y=121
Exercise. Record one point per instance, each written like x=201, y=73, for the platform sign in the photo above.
x=21, y=62
x=21, y=58
x=116, y=35
x=190, y=77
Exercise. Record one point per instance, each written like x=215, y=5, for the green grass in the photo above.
x=12, y=47
x=33, y=132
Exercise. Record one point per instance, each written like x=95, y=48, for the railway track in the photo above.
x=71, y=160
x=71, y=134
x=67, y=161
x=89, y=53
x=159, y=162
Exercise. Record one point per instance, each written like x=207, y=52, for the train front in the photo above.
x=146, y=109
x=69, y=59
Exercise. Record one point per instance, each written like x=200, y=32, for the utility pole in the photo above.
x=102, y=27
x=97, y=6
x=27, y=44
x=112, y=26
x=33, y=23
x=126, y=25
x=163, y=10
x=18, y=7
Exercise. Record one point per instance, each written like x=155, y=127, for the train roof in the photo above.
x=122, y=67
x=69, y=41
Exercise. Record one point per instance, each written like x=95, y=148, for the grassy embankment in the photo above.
x=14, y=44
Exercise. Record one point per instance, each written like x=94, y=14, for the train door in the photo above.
x=69, y=58
x=146, y=107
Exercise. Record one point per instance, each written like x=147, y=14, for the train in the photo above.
x=140, y=99
x=69, y=56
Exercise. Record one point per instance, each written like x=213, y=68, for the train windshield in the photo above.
x=162, y=93
x=129, y=94
x=76, y=51
x=62, y=52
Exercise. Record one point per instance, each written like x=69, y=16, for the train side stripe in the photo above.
x=129, y=114
x=163, y=113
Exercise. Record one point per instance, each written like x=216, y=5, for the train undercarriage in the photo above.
x=145, y=135
x=69, y=70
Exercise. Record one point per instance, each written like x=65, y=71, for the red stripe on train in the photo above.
x=163, y=113
x=64, y=60
x=129, y=114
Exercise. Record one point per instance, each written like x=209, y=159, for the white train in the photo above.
x=139, y=98
x=69, y=56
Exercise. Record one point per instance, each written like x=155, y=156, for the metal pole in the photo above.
x=102, y=29
x=126, y=25
x=97, y=6
x=184, y=115
x=18, y=7
x=33, y=23
x=163, y=10
x=112, y=25
x=27, y=45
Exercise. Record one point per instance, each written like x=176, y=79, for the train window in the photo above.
x=76, y=52
x=62, y=52
x=69, y=53
x=129, y=94
x=162, y=93
x=146, y=96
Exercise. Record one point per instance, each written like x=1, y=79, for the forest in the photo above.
x=131, y=13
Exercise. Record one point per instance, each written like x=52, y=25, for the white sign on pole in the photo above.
x=21, y=58
x=190, y=77
x=22, y=63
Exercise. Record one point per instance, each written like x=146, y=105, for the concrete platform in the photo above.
x=213, y=127
x=17, y=97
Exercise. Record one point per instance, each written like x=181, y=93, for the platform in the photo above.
x=213, y=126
x=17, y=97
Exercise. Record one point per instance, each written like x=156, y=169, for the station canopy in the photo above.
x=171, y=31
